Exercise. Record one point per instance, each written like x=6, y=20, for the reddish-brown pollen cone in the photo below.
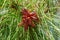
x=28, y=19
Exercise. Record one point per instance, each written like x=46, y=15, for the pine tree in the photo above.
x=48, y=27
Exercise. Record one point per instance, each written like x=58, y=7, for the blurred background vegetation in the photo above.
x=47, y=29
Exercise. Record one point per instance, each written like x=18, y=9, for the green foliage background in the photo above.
x=10, y=17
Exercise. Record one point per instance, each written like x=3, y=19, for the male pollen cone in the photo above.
x=28, y=19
